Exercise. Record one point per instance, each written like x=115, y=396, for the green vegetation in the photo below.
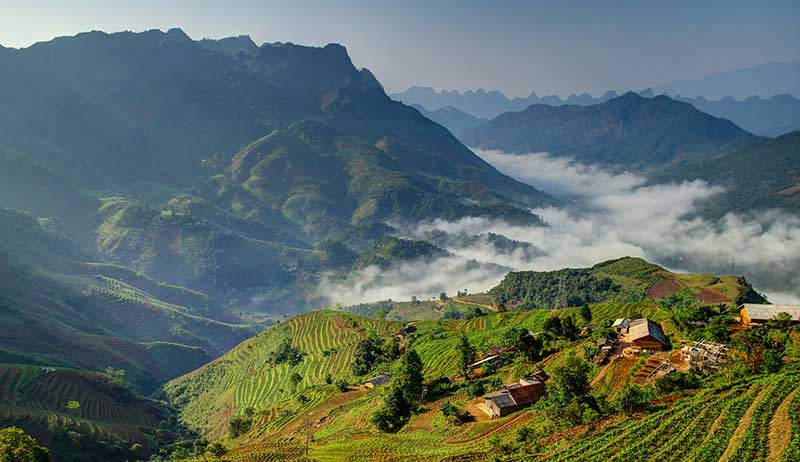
x=16, y=446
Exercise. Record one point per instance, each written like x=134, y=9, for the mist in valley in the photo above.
x=606, y=215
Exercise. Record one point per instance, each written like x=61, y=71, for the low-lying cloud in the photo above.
x=608, y=215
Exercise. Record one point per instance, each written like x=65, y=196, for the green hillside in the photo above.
x=107, y=422
x=286, y=381
x=756, y=178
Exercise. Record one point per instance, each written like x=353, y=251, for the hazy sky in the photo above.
x=514, y=46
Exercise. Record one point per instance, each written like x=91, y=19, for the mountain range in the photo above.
x=772, y=115
x=163, y=199
x=629, y=130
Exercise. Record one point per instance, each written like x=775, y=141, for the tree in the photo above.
x=17, y=446
x=572, y=378
x=586, y=313
x=524, y=342
x=239, y=426
x=295, y=379
x=552, y=325
x=408, y=376
x=466, y=355
x=368, y=351
x=73, y=406
x=761, y=347
x=342, y=385
x=632, y=398
x=443, y=296
x=200, y=445
x=568, y=328
x=217, y=449
x=394, y=413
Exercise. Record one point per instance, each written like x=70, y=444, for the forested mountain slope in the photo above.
x=630, y=130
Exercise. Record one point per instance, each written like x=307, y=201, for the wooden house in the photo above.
x=755, y=313
x=513, y=397
x=646, y=334
x=382, y=379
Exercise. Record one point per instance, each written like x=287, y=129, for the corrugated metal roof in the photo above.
x=484, y=360
x=643, y=327
x=760, y=311
x=382, y=379
x=621, y=322
x=501, y=398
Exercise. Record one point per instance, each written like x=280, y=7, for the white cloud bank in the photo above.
x=610, y=215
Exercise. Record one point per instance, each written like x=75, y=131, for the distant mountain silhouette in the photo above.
x=488, y=104
x=764, y=80
x=629, y=130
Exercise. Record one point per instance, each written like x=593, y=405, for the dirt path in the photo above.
x=490, y=432
x=744, y=424
x=467, y=302
x=601, y=374
x=779, y=437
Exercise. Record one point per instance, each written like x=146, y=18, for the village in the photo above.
x=633, y=339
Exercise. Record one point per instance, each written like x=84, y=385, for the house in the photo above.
x=406, y=331
x=621, y=325
x=646, y=334
x=754, y=313
x=497, y=350
x=513, y=397
x=382, y=379
x=488, y=359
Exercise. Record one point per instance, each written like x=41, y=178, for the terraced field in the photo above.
x=245, y=378
x=35, y=397
x=712, y=426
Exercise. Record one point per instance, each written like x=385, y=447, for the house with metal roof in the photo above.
x=621, y=325
x=646, y=334
x=382, y=379
x=757, y=313
x=513, y=397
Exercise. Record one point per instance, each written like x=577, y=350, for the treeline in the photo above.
x=553, y=289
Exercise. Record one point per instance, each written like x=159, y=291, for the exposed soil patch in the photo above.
x=664, y=288
x=713, y=297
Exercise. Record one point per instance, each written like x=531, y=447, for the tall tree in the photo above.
x=408, y=376
x=466, y=355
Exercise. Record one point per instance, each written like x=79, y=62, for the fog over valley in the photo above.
x=607, y=214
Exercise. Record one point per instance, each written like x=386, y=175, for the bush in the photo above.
x=632, y=398
x=455, y=415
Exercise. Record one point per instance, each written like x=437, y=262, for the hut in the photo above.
x=646, y=334
x=756, y=313
x=513, y=397
x=621, y=325
x=382, y=379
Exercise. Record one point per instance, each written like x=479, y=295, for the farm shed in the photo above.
x=382, y=379
x=646, y=334
x=753, y=313
x=621, y=325
x=406, y=331
x=513, y=397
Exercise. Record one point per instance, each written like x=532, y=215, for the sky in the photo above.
x=550, y=47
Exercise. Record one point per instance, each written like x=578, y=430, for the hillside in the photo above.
x=61, y=310
x=108, y=421
x=451, y=118
x=625, y=279
x=254, y=384
x=219, y=165
x=629, y=130
x=757, y=178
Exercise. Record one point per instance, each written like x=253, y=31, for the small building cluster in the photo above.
x=756, y=313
